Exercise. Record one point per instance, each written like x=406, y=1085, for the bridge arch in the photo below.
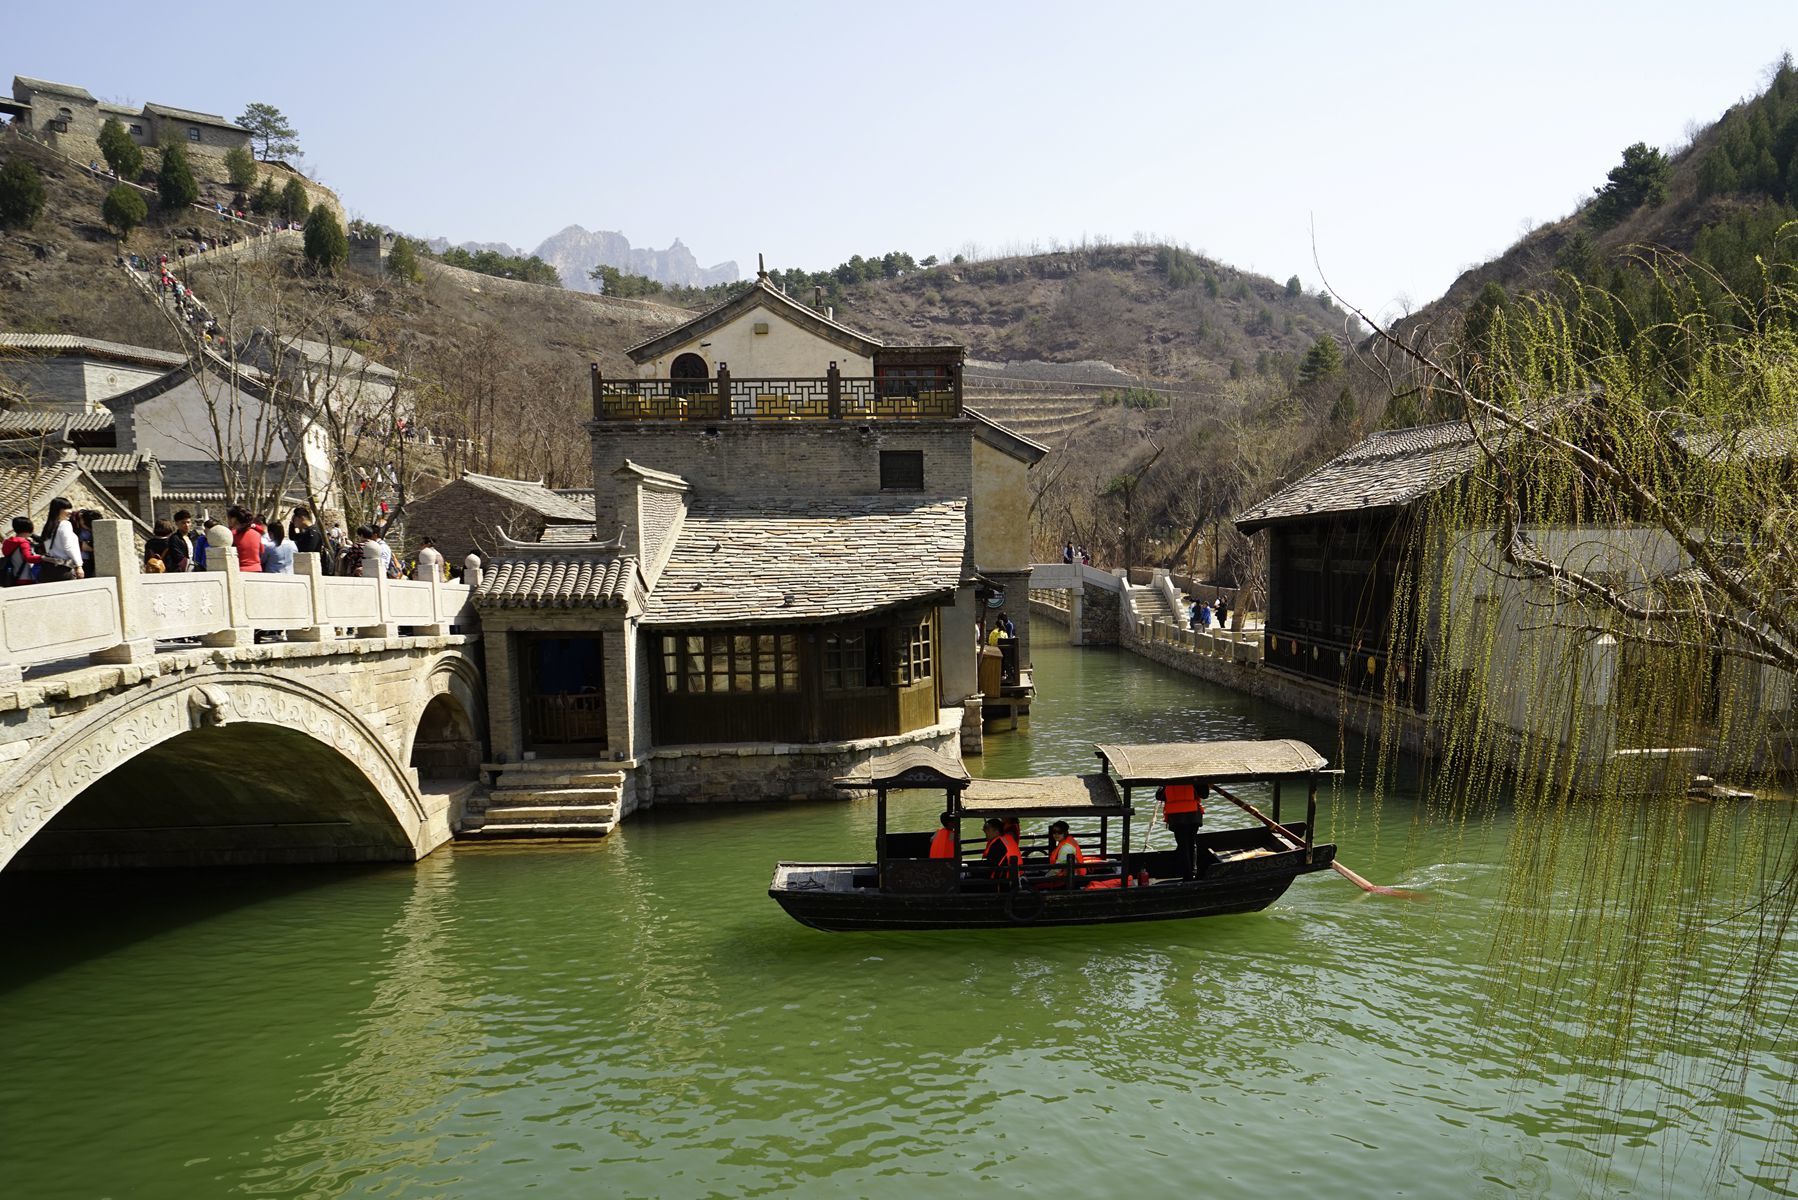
x=211, y=768
x=445, y=742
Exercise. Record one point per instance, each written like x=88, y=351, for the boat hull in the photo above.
x=861, y=908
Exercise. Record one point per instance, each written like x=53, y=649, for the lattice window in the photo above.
x=846, y=660
x=718, y=663
x=912, y=653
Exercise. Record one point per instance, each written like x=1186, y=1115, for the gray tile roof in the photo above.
x=58, y=343
x=1387, y=470
x=198, y=118
x=27, y=485
x=534, y=497
x=566, y=535
x=810, y=559
x=46, y=85
x=108, y=462
x=571, y=580
x=50, y=420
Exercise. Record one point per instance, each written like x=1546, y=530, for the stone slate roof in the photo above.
x=1758, y=442
x=1384, y=471
x=572, y=580
x=532, y=496
x=61, y=89
x=24, y=483
x=567, y=535
x=786, y=560
x=197, y=118
x=111, y=461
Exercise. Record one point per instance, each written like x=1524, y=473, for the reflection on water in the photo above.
x=636, y=1018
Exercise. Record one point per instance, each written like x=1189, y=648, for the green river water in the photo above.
x=636, y=1018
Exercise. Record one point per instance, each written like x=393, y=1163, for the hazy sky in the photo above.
x=1415, y=139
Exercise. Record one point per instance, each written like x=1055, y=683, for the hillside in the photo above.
x=1723, y=199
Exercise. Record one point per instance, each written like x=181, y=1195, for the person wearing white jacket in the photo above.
x=60, y=543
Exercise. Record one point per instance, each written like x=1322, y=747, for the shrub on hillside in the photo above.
x=295, y=203
x=124, y=209
x=1322, y=361
x=175, y=185
x=1641, y=178
x=267, y=199
x=327, y=246
x=124, y=156
x=21, y=194
x=240, y=167
x=402, y=260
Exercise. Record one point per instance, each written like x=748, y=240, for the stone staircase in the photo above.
x=548, y=798
x=1148, y=604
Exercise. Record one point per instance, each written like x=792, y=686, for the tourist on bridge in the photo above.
x=84, y=519
x=62, y=546
x=942, y=842
x=307, y=538
x=244, y=539
x=277, y=552
x=18, y=554
x=1067, y=553
x=157, y=548
x=187, y=551
x=1201, y=615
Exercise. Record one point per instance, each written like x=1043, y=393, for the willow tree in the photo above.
x=1605, y=595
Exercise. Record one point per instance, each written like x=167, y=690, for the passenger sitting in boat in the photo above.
x=1067, y=860
x=1015, y=833
x=942, y=842
x=1002, y=857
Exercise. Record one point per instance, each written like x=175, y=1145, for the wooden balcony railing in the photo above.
x=830, y=397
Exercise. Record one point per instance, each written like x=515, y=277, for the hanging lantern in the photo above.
x=1370, y=664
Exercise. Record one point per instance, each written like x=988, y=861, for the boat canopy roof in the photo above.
x=1220, y=762
x=908, y=767
x=1044, y=796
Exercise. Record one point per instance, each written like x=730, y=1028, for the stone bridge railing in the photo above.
x=119, y=614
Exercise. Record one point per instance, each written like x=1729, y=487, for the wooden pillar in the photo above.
x=835, y=380
x=724, y=391
x=599, y=404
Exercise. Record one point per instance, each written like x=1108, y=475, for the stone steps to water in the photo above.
x=564, y=798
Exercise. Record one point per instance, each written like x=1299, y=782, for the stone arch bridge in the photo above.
x=142, y=722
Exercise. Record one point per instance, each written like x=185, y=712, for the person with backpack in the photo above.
x=62, y=546
x=18, y=555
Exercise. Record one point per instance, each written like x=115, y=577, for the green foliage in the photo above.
x=124, y=209
x=958, y=260
x=270, y=132
x=1180, y=267
x=928, y=260
x=1322, y=361
x=175, y=185
x=266, y=199
x=1641, y=178
x=502, y=266
x=124, y=156
x=1134, y=397
x=21, y=194
x=1756, y=148
x=614, y=282
x=240, y=167
x=402, y=260
x=327, y=247
x=1294, y=288
x=295, y=203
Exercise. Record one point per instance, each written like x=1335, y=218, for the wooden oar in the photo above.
x=1281, y=832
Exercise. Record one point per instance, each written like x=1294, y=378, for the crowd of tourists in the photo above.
x=1071, y=553
x=65, y=550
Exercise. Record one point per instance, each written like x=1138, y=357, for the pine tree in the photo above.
x=1641, y=178
x=21, y=193
x=327, y=247
x=266, y=199
x=175, y=185
x=402, y=260
x=270, y=131
x=1322, y=361
x=240, y=167
x=295, y=204
x=1294, y=287
x=124, y=209
x=124, y=156
x=1715, y=174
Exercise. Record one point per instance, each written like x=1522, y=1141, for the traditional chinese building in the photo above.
x=806, y=553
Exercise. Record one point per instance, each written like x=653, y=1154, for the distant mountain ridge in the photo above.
x=575, y=251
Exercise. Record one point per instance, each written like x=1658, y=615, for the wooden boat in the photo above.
x=1234, y=870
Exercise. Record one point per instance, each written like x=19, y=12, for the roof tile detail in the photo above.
x=534, y=497
x=797, y=560
x=573, y=580
x=1387, y=470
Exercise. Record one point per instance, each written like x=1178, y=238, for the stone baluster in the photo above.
x=115, y=558
x=221, y=555
x=312, y=567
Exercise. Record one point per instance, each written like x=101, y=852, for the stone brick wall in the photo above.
x=462, y=517
x=776, y=771
x=808, y=458
x=1100, y=619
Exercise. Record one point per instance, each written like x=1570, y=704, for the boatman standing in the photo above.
x=1184, y=814
x=942, y=842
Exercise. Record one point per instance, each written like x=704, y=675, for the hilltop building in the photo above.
x=69, y=119
x=807, y=550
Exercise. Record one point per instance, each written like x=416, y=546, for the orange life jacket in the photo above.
x=1079, y=854
x=1179, y=798
x=1013, y=856
x=943, y=844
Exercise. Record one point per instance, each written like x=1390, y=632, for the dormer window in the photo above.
x=193, y=133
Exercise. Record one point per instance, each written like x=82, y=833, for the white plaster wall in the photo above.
x=1001, y=511
x=175, y=426
x=784, y=351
